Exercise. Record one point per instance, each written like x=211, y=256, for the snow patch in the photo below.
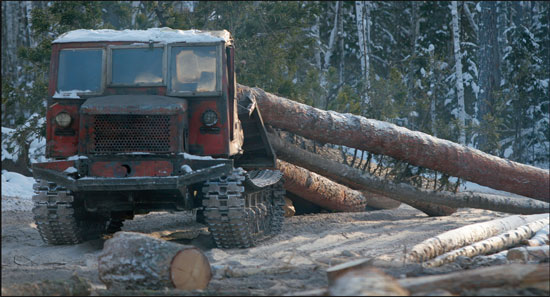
x=17, y=191
x=71, y=94
x=161, y=35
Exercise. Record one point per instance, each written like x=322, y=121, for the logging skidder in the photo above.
x=148, y=120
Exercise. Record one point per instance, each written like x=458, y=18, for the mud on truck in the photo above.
x=149, y=120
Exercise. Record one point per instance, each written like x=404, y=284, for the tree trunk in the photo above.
x=430, y=202
x=458, y=73
x=457, y=238
x=512, y=275
x=492, y=244
x=320, y=190
x=136, y=261
x=418, y=148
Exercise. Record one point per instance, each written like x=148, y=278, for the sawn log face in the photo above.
x=418, y=148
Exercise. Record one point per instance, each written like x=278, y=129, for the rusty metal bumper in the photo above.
x=58, y=174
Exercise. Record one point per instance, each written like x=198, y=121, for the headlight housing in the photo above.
x=209, y=118
x=63, y=119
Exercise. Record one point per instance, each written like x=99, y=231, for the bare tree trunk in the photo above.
x=137, y=261
x=415, y=147
x=458, y=72
x=430, y=202
x=466, y=235
x=320, y=190
x=492, y=244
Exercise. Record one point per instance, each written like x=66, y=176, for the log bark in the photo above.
x=334, y=272
x=424, y=200
x=457, y=238
x=369, y=281
x=320, y=190
x=512, y=275
x=529, y=254
x=131, y=261
x=492, y=244
x=418, y=148
x=74, y=286
x=542, y=237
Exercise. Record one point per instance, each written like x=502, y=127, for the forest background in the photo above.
x=474, y=72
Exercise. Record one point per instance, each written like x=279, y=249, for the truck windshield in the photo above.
x=79, y=69
x=193, y=69
x=137, y=66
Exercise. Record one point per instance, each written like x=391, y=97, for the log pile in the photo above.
x=418, y=148
x=409, y=146
x=519, y=267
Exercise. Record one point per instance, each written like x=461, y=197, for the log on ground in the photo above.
x=415, y=147
x=320, y=190
x=430, y=202
x=368, y=281
x=457, y=238
x=511, y=275
x=529, y=254
x=492, y=244
x=542, y=237
x=131, y=261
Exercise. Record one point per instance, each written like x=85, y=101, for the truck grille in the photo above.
x=114, y=133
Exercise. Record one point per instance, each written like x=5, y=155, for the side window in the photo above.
x=131, y=66
x=194, y=69
x=80, y=70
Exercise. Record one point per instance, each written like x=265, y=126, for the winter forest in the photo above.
x=475, y=72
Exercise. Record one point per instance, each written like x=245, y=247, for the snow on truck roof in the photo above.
x=162, y=35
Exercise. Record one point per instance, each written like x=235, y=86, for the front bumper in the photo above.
x=74, y=174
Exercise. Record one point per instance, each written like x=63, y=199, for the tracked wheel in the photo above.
x=61, y=220
x=242, y=209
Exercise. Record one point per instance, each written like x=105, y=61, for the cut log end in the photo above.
x=190, y=270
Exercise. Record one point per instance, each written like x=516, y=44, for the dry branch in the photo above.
x=430, y=202
x=512, y=275
x=457, y=238
x=492, y=244
x=133, y=260
x=415, y=147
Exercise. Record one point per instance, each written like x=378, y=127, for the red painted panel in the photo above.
x=56, y=165
x=211, y=144
x=131, y=168
x=62, y=145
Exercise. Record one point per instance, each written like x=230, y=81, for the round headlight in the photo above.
x=209, y=118
x=63, y=119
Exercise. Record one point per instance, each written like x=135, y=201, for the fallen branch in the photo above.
x=457, y=238
x=492, y=244
x=430, y=202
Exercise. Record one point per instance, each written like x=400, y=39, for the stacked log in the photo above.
x=417, y=148
x=457, y=238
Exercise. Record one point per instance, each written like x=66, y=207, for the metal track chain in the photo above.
x=56, y=218
x=241, y=209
